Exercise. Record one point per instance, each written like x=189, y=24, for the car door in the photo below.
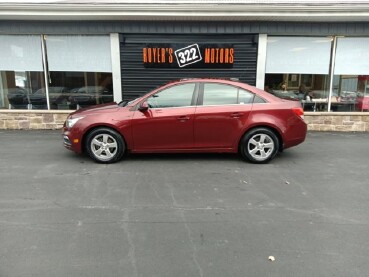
x=221, y=115
x=168, y=122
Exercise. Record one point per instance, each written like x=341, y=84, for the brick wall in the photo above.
x=26, y=119
x=317, y=121
x=338, y=121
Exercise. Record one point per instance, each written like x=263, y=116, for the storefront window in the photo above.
x=351, y=75
x=80, y=71
x=21, y=72
x=297, y=68
x=311, y=89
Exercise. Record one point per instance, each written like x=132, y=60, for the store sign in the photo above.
x=188, y=56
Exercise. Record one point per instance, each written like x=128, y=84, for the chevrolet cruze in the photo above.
x=188, y=116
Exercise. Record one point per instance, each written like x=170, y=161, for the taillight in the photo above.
x=299, y=112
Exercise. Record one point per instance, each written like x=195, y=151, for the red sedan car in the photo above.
x=196, y=115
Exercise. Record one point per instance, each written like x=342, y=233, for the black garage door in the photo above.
x=149, y=61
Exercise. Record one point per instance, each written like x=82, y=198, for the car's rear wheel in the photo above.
x=259, y=145
x=105, y=145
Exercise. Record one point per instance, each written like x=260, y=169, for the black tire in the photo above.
x=105, y=145
x=259, y=145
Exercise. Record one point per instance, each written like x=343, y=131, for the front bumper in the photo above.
x=66, y=141
x=72, y=140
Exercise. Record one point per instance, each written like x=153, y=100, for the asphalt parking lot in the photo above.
x=184, y=215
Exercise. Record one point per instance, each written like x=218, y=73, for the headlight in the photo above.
x=72, y=121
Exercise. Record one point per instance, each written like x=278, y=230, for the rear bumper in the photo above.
x=295, y=135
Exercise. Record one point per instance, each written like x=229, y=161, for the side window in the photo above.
x=175, y=96
x=258, y=99
x=245, y=97
x=219, y=94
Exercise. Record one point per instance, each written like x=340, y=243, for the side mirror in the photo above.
x=144, y=106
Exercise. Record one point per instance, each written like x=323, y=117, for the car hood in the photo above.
x=103, y=108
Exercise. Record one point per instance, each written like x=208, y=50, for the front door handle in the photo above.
x=183, y=118
x=236, y=115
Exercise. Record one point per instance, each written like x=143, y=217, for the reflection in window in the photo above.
x=17, y=88
x=311, y=89
x=71, y=90
x=175, y=96
x=350, y=93
x=38, y=99
x=297, y=68
x=362, y=97
x=218, y=94
x=245, y=97
x=351, y=75
x=80, y=71
x=20, y=70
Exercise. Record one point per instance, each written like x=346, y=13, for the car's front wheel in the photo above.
x=105, y=145
x=259, y=145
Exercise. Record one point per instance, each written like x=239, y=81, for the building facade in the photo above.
x=58, y=56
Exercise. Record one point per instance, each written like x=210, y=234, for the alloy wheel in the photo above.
x=104, y=147
x=260, y=146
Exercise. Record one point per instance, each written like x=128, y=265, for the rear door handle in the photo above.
x=236, y=115
x=183, y=118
